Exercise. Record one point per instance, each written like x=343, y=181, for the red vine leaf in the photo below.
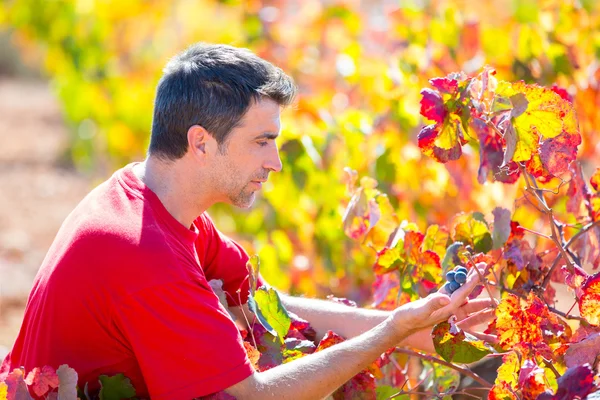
x=583, y=352
x=42, y=380
x=442, y=142
x=595, y=180
x=589, y=302
x=16, y=386
x=432, y=105
x=576, y=383
x=556, y=154
x=532, y=381
x=519, y=323
x=578, y=194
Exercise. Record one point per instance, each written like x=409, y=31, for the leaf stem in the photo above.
x=536, y=233
x=434, y=359
x=551, y=367
x=483, y=280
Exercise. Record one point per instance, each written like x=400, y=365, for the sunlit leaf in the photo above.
x=547, y=115
x=589, y=302
x=271, y=313
x=455, y=345
x=518, y=322
x=436, y=240
x=507, y=378
x=472, y=229
x=432, y=105
x=576, y=383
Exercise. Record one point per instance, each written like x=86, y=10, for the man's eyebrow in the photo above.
x=267, y=135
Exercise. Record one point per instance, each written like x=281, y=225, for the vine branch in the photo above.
x=437, y=360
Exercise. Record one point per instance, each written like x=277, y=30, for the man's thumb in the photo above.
x=439, y=302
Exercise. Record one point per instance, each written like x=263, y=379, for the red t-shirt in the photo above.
x=124, y=289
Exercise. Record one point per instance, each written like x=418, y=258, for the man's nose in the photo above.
x=273, y=163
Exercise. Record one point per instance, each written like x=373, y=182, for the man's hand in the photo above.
x=437, y=307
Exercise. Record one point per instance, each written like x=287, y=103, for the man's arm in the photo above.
x=350, y=322
x=317, y=375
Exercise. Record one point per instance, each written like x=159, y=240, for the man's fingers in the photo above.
x=483, y=336
x=476, y=319
x=460, y=295
x=476, y=305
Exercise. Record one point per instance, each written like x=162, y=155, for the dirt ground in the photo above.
x=36, y=192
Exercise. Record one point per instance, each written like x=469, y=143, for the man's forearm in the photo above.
x=317, y=375
x=346, y=321
x=326, y=315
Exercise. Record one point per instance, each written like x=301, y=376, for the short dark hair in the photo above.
x=212, y=86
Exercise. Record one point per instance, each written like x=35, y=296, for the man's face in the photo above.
x=249, y=154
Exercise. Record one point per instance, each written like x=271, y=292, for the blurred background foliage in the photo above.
x=360, y=66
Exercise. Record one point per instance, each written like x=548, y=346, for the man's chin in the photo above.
x=244, y=202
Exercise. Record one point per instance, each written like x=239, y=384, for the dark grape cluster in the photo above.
x=455, y=279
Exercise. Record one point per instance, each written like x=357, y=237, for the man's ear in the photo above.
x=198, y=139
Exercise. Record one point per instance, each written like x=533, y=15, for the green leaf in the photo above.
x=272, y=315
x=384, y=392
x=115, y=387
x=501, y=226
x=455, y=345
x=451, y=258
x=439, y=378
x=472, y=229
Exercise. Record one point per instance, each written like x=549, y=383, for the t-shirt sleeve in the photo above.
x=184, y=342
x=223, y=258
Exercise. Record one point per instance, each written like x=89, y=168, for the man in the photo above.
x=124, y=287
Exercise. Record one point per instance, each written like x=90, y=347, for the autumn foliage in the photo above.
x=427, y=135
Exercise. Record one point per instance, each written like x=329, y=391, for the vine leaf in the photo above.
x=272, y=315
x=519, y=323
x=420, y=268
x=16, y=388
x=532, y=380
x=583, y=352
x=455, y=345
x=42, y=380
x=362, y=212
x=576, y=382
x=115, y=387
x=547, y=115
x=589, y=302
x=507, y=378
x=472, y=229
x=501, y=230
x=432, y=105
x=446, y=106
x=67, y=378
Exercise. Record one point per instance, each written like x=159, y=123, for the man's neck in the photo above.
x=171, y=183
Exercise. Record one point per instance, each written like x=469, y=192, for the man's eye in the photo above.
x=263, y=144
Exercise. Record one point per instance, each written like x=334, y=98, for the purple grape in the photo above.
x=460, y=277
x=450, y=276
x=461, y=269
x=453, y=286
